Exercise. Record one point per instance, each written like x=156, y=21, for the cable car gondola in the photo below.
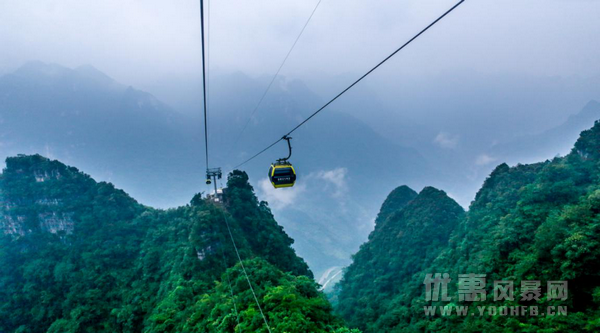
x=282, y=173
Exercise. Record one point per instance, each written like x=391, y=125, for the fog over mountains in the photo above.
x=348, y=159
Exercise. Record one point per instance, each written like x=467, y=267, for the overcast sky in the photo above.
x=140, y=41
x=155, y=44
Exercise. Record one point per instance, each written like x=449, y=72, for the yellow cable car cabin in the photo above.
x=282, y=174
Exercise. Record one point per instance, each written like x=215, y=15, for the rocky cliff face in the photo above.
x=20, y=216
x=76, y=254
x=30, y=199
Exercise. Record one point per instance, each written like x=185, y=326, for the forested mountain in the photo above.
x=411, y=230
x=128, y=137
x=81, y=256
x=538, y=222
x=115, y=132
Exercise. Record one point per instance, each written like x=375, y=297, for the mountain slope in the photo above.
x=550, y=143
x=535, y=222
x=116, y=132
x=82, y=256
x=122, y=135
x=404, y=242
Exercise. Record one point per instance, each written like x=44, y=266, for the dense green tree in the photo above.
x=405, y=241
x=80, y=256
x=290, y=303
x=528, y=222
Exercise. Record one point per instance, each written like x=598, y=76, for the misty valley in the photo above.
x=81, y=255
x=299, y=166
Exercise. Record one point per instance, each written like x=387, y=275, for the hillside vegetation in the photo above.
x=537, y=222
x=82, y=256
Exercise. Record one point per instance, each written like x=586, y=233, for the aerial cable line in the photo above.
x=237, y=252
x=353, y=84
x=224, y=216
x=237, y=316
x=208, y=54
x=273, y=79
x=204, y=80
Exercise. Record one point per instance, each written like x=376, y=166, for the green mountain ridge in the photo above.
x=404, y=242
x=124, y=135
x=82, y=256
x=537, y=222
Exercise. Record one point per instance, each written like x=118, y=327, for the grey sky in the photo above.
x=143, y=41
x=484, y=74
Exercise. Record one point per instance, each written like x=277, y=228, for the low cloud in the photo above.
x=337, y=177
x=446, y=140
x=332, y=182
x=281, y=197
x=484, y=159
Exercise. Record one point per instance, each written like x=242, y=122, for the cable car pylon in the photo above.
x=212, y=175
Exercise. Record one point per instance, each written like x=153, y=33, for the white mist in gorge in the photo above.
x=496, y=81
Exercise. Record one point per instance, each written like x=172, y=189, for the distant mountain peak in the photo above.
x=53, y=92
x=41, y=69
x=550, y=143
x=91, y=72
x=50, y=72
x=589, y=113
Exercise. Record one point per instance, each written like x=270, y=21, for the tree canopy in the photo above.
x=82, y=256
x=528, y=222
